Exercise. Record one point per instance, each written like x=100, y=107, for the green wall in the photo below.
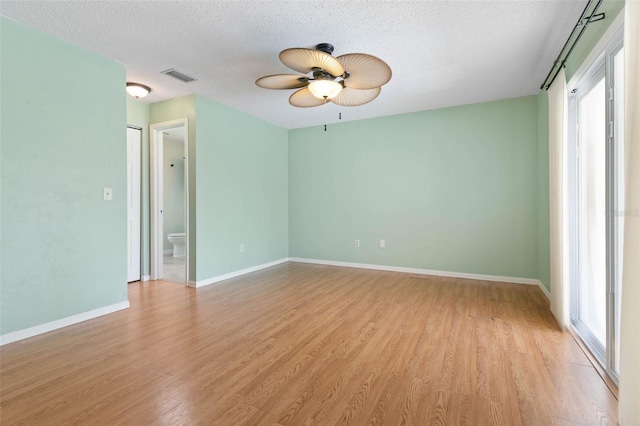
x=453, y=189
x=242, y=190
x=238, y=175
x=63, y=139
x=138, y=116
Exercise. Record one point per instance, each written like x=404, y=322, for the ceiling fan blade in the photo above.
x=354, y=97
x=283, y=81
x=365, y=71
x=303, y=98
x=304, y=60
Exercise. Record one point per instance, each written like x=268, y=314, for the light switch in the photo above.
x=107, y=194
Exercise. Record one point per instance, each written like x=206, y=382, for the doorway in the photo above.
x=169, y=201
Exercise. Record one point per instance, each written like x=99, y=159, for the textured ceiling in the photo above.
x=442, y=53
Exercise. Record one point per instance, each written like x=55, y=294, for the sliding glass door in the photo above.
x=597, y=207
x=591, y=283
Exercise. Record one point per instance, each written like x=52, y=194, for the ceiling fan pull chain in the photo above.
x=325, y=104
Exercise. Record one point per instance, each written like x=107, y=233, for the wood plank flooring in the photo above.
x=301, y=344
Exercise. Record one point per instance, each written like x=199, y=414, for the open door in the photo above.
x=134, y=146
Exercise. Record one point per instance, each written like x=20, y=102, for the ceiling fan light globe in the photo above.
x=325, y=89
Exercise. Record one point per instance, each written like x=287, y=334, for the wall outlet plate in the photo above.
x=107, y=194
x=357, y=243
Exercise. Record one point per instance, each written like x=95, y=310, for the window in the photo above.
x=596, y=204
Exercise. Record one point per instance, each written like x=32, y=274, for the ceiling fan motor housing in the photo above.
x=325, y=47
x=320, y=74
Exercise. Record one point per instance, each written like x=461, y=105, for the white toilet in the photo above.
x=178, y=244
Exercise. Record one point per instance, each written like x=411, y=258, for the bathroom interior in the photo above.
x=174, y=265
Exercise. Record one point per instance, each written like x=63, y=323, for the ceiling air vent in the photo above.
x=176, y=74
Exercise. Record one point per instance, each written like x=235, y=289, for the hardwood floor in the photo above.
x=302, y=344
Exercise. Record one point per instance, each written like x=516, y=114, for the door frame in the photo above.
x=140, y=266
x=156, y=195
x=598, y=61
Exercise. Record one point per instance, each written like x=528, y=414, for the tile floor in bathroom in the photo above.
x=173, y=269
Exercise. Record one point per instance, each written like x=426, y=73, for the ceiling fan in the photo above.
x=348, y=80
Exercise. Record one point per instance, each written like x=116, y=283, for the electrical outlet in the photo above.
x=241, y=248
x=357, y=243
x=382, y=244
x=107, y=194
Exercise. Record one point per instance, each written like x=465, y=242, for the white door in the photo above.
x=134, y=138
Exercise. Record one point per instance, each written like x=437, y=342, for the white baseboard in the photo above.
x=145, y=278
x=544, y=290
x=515, y=280
x=64, y=322
x=202, y=283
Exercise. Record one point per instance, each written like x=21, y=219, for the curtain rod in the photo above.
x=582, y=24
